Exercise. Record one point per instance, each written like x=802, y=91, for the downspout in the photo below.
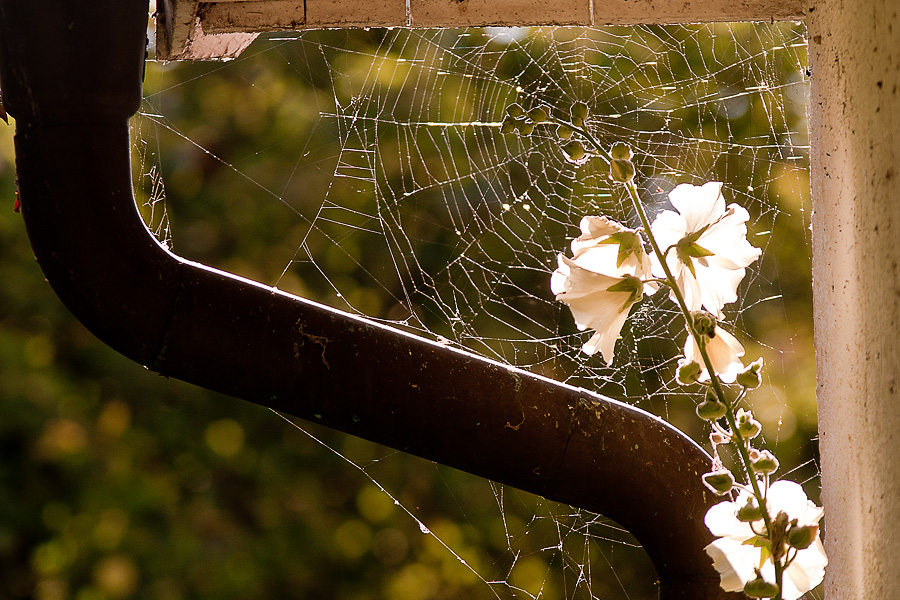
x=71, y=76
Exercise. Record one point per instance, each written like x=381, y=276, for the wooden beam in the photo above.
x=221, y=29
x=510, y=13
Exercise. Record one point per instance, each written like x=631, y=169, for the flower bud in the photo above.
x=579, y=113
x=538, y=114
x=621, y=151
x=564, y=132
x=621, y=171
x=688, y=371
x=717, y=438
x=719, y=482
x=801, y=537
x=747, y=426
x=750, y=377
x=778, y=535
x=515, y=110
x=508, y=125
x=751, y=511
x=525, y=127
x=760, y=588
x=750, y=429
x=763, y=461
x=704, y=323
x=574, y=151
x=710, y=410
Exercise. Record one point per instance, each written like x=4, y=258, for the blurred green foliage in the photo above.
x=116, y=483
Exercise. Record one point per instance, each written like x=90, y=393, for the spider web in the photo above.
x=367, y=170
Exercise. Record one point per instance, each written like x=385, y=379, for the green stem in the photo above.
x=737, y=438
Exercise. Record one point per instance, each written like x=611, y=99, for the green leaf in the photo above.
x=684, y=257
x=687, y=249
x=698, y=251
x=629, y=243
x=630, y=284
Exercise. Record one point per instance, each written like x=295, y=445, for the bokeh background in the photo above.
x=116, y=483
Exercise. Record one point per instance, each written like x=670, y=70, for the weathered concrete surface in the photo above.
x=855, y=121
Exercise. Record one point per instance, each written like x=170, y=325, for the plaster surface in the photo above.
x=855, y=170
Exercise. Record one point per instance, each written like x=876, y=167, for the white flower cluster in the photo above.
x=768, y=543
x=706, y=251
x=743, y=553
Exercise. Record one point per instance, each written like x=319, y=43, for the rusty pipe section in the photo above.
x=71, y=76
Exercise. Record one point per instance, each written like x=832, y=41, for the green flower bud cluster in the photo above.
x=572, y=134
x=517, y=119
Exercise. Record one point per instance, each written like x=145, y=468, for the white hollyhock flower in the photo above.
x=600, y=302
x=736, y=556
x=709, y=247
x=724, y=351
x=602, y=280
x=606, y=246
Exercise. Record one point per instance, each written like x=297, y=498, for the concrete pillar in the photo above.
x=855, y=125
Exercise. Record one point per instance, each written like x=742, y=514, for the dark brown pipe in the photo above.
x=71, y=76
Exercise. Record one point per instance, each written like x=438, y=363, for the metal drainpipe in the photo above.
x=71, y=76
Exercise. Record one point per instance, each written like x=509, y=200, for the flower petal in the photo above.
x=605, y=339
x=592, y=303
x=724, y=353
x=667, y=228
x=721, y=520
x=734, y=561
x=594, y=227
x=595, y=251
x=602, y=259
x=700, y=206
x=805, y=572
x=718, y=286
x=728, y=237
x=709, y=281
